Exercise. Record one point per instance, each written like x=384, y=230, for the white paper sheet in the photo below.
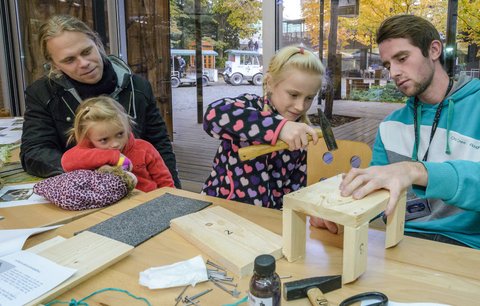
x=10, y=135
x=25, y=276
x=12, y=241
x=17, y=195
x=11, y=130
x=8, y=122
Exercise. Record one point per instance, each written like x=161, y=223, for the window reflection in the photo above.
x=4, y=110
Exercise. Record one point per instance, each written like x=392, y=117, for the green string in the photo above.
x=82, y=302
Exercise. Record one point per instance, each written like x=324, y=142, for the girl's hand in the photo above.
x=295, y=135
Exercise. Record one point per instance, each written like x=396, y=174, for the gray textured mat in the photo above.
x=141, y=223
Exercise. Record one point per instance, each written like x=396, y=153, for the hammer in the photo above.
x=313, y=288
x=325, y=132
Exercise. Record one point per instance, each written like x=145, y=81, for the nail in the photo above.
x=233, y=292
x=215, y=265
x=194, y=297
x=179, y=297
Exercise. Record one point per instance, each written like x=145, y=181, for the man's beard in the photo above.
x=419, y=88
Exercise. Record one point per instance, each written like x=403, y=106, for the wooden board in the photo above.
x=87, y=252
x=230, y=240
x=322, y=199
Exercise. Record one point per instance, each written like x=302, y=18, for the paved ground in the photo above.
x=184, y=102
x=376, y=110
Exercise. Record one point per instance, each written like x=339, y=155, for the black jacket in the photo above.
x=50, y=112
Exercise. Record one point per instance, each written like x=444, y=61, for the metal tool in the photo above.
x=374, y=295
x=313, y=288
x=327, y=131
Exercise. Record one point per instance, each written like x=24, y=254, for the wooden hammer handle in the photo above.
x=316, y=297
x=250, y=152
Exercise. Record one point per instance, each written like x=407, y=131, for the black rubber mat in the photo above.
x=141, y=223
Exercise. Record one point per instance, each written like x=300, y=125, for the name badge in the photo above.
x=417, y=208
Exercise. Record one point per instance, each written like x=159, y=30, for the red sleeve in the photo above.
x=158, y=170
x=78, y=158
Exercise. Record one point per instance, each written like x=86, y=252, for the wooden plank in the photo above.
x=294, y=234
x=396, y=223
x=47, y=244
x=355, y=247
x=229, y=239
x=87, y=252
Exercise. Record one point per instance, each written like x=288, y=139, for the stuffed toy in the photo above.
x=87, y=189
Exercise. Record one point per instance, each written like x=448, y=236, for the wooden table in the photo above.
x=38, y=215
x=414, y=271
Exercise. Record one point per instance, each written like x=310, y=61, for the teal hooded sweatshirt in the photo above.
x=453, y=163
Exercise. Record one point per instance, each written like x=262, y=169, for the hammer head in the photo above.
x=327, y=131
x=298, y=289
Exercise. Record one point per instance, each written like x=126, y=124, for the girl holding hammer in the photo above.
x=293, y=79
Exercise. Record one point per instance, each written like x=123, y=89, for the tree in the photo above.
x=469, y=30
x=469, y=20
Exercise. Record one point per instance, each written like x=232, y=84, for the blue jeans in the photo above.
x=436, y=237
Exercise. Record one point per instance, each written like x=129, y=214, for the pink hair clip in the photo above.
x=302, y=50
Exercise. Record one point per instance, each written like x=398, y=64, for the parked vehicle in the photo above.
x=188, y=75
x=243, y=65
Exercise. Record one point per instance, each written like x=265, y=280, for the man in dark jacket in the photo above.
x=79, y=70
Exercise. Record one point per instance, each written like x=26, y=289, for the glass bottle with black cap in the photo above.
x=265, y=284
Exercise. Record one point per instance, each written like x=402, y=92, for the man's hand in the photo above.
x=295, y=135
x=394, y=177
x=322, y=223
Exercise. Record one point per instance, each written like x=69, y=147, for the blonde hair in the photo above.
x=58, y=24
x=98, y=109
x=293, y=57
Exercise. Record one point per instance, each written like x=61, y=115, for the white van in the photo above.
x=243, y=65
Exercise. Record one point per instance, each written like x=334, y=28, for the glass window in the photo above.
x=226, y=29
x=356, y=64
x=4, y=109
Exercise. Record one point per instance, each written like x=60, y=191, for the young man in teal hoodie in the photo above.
x=430, y=147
